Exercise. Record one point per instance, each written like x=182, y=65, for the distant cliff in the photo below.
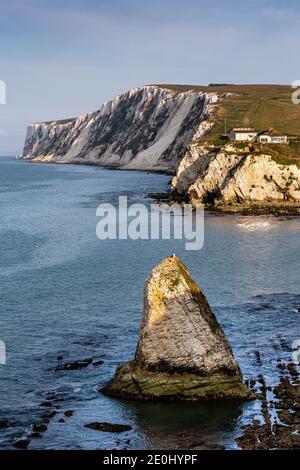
x=146, y=128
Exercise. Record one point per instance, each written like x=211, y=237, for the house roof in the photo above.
x=273, y=133
x=243, y=129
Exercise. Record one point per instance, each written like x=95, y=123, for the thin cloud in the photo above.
x=281, y=14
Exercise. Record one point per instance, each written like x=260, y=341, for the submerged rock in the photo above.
x=74, y=365
x=46, y=404
x=108, y=427
x=49, y=414
x=280, y=427
x=4, y=423
x=39, y=428
x=182, y=352
x=22, y=443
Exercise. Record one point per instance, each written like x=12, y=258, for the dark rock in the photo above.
x=48, y=415
x=46, y=404
x=39, y=428
x=277, y=436
x=74, y=365
x=4, y=423
x=261, y=380
x=252, y=384
x=61, y=420
x=69, y=413
x=258, y=357
x=283, y=405
x=97, y=363
x=287, y=437
x=288, y=417
x=286, y=390
x=108, y=427
x=214, y=447
x=36, y=435
x=292, y=370
x=22, y=443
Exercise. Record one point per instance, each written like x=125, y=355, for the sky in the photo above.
x=64, y=58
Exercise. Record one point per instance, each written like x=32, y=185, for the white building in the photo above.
x=272, y=137
x=240, y=134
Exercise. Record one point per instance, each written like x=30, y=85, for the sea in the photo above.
x=66, y=296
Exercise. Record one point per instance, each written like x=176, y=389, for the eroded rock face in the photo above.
x=230, y=175
x=146, y=128
x=182, y=351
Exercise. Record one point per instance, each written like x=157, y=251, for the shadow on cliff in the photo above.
x=193, y=171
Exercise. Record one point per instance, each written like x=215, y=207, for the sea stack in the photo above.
x=182, y=352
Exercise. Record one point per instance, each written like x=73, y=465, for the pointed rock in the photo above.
x=182, y=351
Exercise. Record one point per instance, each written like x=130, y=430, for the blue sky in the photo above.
x=65, y=58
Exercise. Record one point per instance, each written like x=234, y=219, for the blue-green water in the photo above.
x=65, y=293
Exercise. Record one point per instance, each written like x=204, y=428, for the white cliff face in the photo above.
x=179, y=332
x=260, y=178
x=194, y=163
x=146, y=128
x=223, y=176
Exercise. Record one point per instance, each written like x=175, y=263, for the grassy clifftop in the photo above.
x=259, y=106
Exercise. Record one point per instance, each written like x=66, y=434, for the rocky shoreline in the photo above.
x=275, y=209
x=234, y=178
x=280, y=409
x=280, y=209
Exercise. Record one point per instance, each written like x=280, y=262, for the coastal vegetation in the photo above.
x=259, y=106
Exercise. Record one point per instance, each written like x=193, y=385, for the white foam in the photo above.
x=256, y=225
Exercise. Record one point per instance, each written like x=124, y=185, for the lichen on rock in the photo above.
x=182, y=351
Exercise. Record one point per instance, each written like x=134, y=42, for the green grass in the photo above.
x=259, y=106
x=282, y=154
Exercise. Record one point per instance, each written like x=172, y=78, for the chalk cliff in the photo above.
x=146, y=128
x=182, y=351
x=228, y=174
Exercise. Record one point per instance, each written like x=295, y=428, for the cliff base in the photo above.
x=131, y=381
